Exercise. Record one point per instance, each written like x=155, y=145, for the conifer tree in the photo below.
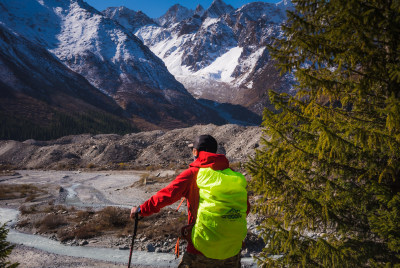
x=328, y=173
x=5, y=249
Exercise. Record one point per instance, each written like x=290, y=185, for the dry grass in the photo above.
x=83, y=215
x=15, y=191
x=167, y=223
x=90, y=166
x=66, y=166
x=7, y=167
x=122, y=166
x=31, y=198
x=86, y=231
x=110, y=217
x=27, y=209
x=24, y=223
x=153, y=167
x=84, y=224
x=65, y=234
x=50, y=222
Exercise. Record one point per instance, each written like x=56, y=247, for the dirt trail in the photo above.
x=94, y=171
x=95, y=190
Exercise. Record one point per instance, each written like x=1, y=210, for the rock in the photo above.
x=142, y=239
x=150, y=248
x=83, y=243
x=232, y=136
x=245, y=253
x=158, y=250
x=123, y=247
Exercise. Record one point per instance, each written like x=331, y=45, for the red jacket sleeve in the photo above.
x=168, y=195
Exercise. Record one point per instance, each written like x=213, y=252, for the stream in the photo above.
x=103, y=254
x=71, y=197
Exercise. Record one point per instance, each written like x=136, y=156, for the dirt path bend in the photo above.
x=31, y=257
x=94, y=189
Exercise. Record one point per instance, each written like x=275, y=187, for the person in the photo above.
x=217, y=207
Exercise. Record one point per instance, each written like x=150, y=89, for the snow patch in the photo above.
x=222, y=68
x=209, y=21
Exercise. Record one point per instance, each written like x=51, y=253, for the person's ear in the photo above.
x=195, y=152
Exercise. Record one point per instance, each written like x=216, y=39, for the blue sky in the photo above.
x=156, y=8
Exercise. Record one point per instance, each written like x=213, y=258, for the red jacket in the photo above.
x=185, y=185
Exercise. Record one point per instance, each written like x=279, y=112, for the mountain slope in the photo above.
x=176, y=13
x=217, y=9
x=110, y=57
x=130, y=19
x=41, y=98
x=222, y=54
x=155, y=148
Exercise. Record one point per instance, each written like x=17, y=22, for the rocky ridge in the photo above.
x=221, y=54
x=110, y=57
x=38, y=94
x=160, y=149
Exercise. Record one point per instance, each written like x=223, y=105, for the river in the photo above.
x=103, y=254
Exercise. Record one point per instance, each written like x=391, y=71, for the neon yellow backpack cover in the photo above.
x=221, y=224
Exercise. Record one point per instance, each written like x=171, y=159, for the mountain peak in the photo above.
x=218, y=8
x=199, y=10
x=130, y=19
x=176, y=13
x=176, y=8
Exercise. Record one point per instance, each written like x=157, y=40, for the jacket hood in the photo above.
x=214, y=161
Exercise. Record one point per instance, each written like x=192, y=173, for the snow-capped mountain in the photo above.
x=221, y=54
x=176, y=13
x=128, y=18
x=217, y=9
x=109, y=56
x=35, y=86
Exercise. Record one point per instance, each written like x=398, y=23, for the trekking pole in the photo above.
x=133, y=238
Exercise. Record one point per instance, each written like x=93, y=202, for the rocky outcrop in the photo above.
x=131, y=20
x=154, y=148
x=222, y=54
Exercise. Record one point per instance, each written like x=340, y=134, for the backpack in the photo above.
x=221, y=224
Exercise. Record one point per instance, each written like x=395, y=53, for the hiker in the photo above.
x=217, y=207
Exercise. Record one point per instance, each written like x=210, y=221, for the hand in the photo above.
x=133, y=212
